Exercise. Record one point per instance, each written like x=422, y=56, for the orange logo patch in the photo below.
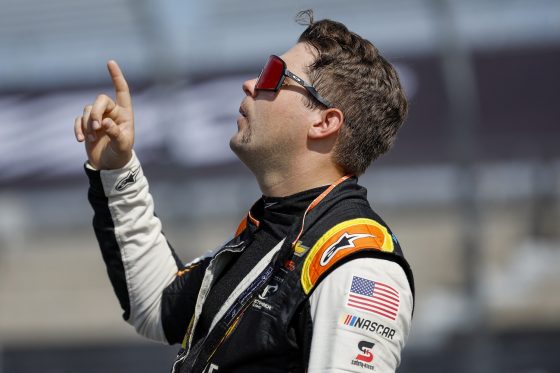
x=340, y=241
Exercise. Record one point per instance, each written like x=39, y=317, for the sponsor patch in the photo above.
x=300, y=249
x=258, y=304
x=340, y=241
x=364, y=356
x=356, y=322
x=128, y=180
x=268, y=291
x=373, y=297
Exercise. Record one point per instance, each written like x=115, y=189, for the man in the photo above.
x=313, y=280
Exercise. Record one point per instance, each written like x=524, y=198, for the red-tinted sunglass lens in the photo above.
x=271, y=74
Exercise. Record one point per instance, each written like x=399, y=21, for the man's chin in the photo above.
x=241, y=138
x=237, y=145
x=243, y=149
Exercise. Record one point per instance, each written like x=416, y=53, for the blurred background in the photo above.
x=471, y=188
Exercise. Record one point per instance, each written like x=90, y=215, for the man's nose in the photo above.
x=249, y=87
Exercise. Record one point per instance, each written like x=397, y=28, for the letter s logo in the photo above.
x=366, y=356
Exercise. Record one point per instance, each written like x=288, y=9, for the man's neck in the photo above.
x=282, y=184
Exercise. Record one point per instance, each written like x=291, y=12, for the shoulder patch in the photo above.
x=340, y=241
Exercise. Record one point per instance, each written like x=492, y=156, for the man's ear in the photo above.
x=327, y=123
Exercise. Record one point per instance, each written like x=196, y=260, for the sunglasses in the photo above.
x=273, y=74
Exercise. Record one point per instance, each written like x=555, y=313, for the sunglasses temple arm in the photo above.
x=309, y=88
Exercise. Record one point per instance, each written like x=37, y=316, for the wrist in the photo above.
x=111, y=161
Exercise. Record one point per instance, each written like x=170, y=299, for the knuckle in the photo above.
x=102, y=98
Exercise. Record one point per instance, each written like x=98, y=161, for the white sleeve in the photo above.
x=149, y=265
x=361, y=316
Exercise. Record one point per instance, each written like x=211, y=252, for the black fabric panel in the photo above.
x=226, y=284
x=302, y=325
x=178, y=302
x=104, y=229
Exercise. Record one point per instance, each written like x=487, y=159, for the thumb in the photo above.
x=119, y=141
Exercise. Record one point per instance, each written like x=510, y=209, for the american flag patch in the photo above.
x=374, y=297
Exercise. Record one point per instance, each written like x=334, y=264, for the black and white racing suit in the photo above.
x=335, y=294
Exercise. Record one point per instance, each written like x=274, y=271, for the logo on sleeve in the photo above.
x=365, y=356
x=374, y=297
x=340, y=242
x=346, y=241
x=128, y=180
x=363, y=323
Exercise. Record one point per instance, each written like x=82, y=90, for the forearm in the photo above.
x=139, y=261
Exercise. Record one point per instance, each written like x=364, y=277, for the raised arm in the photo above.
x=140, y=263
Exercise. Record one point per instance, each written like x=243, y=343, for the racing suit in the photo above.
x=335, y=294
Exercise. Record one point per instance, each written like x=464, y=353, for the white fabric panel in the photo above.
x=148, y=262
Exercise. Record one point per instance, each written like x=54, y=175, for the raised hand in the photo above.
x=107, y=126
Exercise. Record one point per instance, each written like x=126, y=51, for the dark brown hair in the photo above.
x=350, y=72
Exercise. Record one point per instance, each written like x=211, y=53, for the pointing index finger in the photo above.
x=119, y=82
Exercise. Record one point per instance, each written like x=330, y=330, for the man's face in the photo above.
x=272, y=127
